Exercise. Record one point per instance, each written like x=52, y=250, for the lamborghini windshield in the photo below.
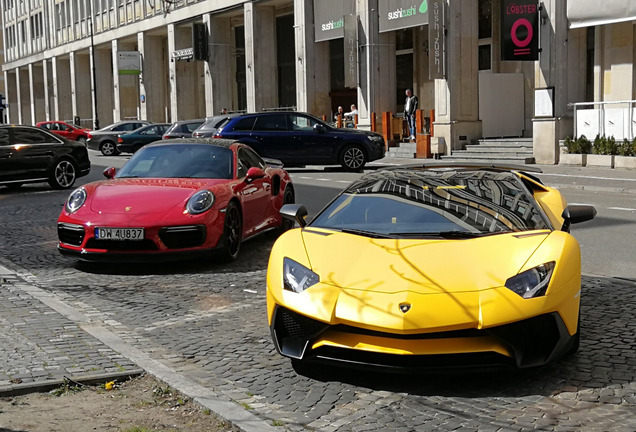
x=180, y=160
x=447, y=204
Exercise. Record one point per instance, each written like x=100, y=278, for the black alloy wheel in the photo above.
x=63, y=175
x=232, y=232
x=353, y=158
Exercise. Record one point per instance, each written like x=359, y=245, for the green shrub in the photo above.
x=598, y=146
x=611, y=146
x=626, y=148
x=570, y=146
x=584, y=145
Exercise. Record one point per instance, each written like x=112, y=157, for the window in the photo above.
x=32, y=136
x=277, y=122
x=4, y=137
x=246, y=160
x=485, y=35
x=244, y=124
x=299, y=122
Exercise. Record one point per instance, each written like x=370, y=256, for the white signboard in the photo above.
x=129, y=62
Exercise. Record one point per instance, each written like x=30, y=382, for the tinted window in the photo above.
x=244, y=124
x=277, y=122
x=31, y=136
x=152, y=130
x=120, y=127
x=180, y=161
x=477, y=203
x=48, y=126
x=299, y=122
x=4, y=137
x=190, y=127
x=246, y=160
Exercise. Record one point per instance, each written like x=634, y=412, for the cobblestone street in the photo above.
x=208, y=322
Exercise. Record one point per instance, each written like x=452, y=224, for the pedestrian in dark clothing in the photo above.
x=410, y=106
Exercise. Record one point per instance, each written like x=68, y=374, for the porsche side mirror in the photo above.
x=253, y=174
x=110, y=172
x=575, y=214
x=319, y=128
x=294, y=212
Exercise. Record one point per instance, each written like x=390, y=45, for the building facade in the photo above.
x=100, y=61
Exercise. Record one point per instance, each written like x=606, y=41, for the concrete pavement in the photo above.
x=201, y=330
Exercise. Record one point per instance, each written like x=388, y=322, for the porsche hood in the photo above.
x=141, y=196
x=422, y=266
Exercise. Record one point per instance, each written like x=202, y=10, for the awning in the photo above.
x=587, y=13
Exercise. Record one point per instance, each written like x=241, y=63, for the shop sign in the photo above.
x=182, y=54
x=351, y=51
x=329, y=18
x=129, y=62
x=401, y=14
x=520, y=30
x=200, y=41
x=436, y=40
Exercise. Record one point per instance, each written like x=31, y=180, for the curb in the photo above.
x=42, y=387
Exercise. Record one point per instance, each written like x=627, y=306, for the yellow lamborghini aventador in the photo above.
x=430, y=267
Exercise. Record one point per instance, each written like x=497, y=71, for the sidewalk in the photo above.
x=40, y=347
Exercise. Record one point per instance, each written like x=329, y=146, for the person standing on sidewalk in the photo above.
x=410, y=106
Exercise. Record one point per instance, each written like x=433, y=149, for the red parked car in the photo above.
x=174, y=199
x=70, y=132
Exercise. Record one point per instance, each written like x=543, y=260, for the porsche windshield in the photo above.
x=180, y=161
x=447, y=204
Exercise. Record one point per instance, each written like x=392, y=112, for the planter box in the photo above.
x=606, y=161
x=577, y=159
x=628, y=162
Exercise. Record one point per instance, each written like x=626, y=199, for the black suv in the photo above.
x=299, y=139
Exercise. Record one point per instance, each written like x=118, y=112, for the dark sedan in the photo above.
x=132, y=141
x=299, y=139
x=105, y=139
x=31, y=155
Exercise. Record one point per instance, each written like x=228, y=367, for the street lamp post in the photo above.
x=93, y=77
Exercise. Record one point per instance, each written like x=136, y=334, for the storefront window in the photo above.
x=403, y=65
x=336, y=66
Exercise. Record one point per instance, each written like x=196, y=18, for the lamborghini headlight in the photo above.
x=297, y=277
x=75, y=200
x=532, y=283
x=200, y=202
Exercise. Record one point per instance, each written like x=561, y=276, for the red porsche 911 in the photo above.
x=174, y=199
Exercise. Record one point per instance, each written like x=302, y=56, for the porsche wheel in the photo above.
x=63, y=175
x=288, y=198
x=353, y=158
x=108, y=148
x=232, y=232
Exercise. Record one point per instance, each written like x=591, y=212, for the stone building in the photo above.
x=99, y=61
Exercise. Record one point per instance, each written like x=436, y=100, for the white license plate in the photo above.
x=119, y=233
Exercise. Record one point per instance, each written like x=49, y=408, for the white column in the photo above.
x=551, y=71
x=7, y=111
x=260, y=56
x=312, y=62
x=117, y=99
x=45, y=76
x=32, y=94
x=56, y=97
x=218, y=79
x=172, y=79
x=141, y=46
x=73, y=68
x=457, y=96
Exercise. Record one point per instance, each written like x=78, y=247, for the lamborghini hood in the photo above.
x=142, y=196
x=423, y=266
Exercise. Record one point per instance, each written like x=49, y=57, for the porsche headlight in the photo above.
x=297, y=277
x=200, y=202
x=75, y=200
x=532, y=283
